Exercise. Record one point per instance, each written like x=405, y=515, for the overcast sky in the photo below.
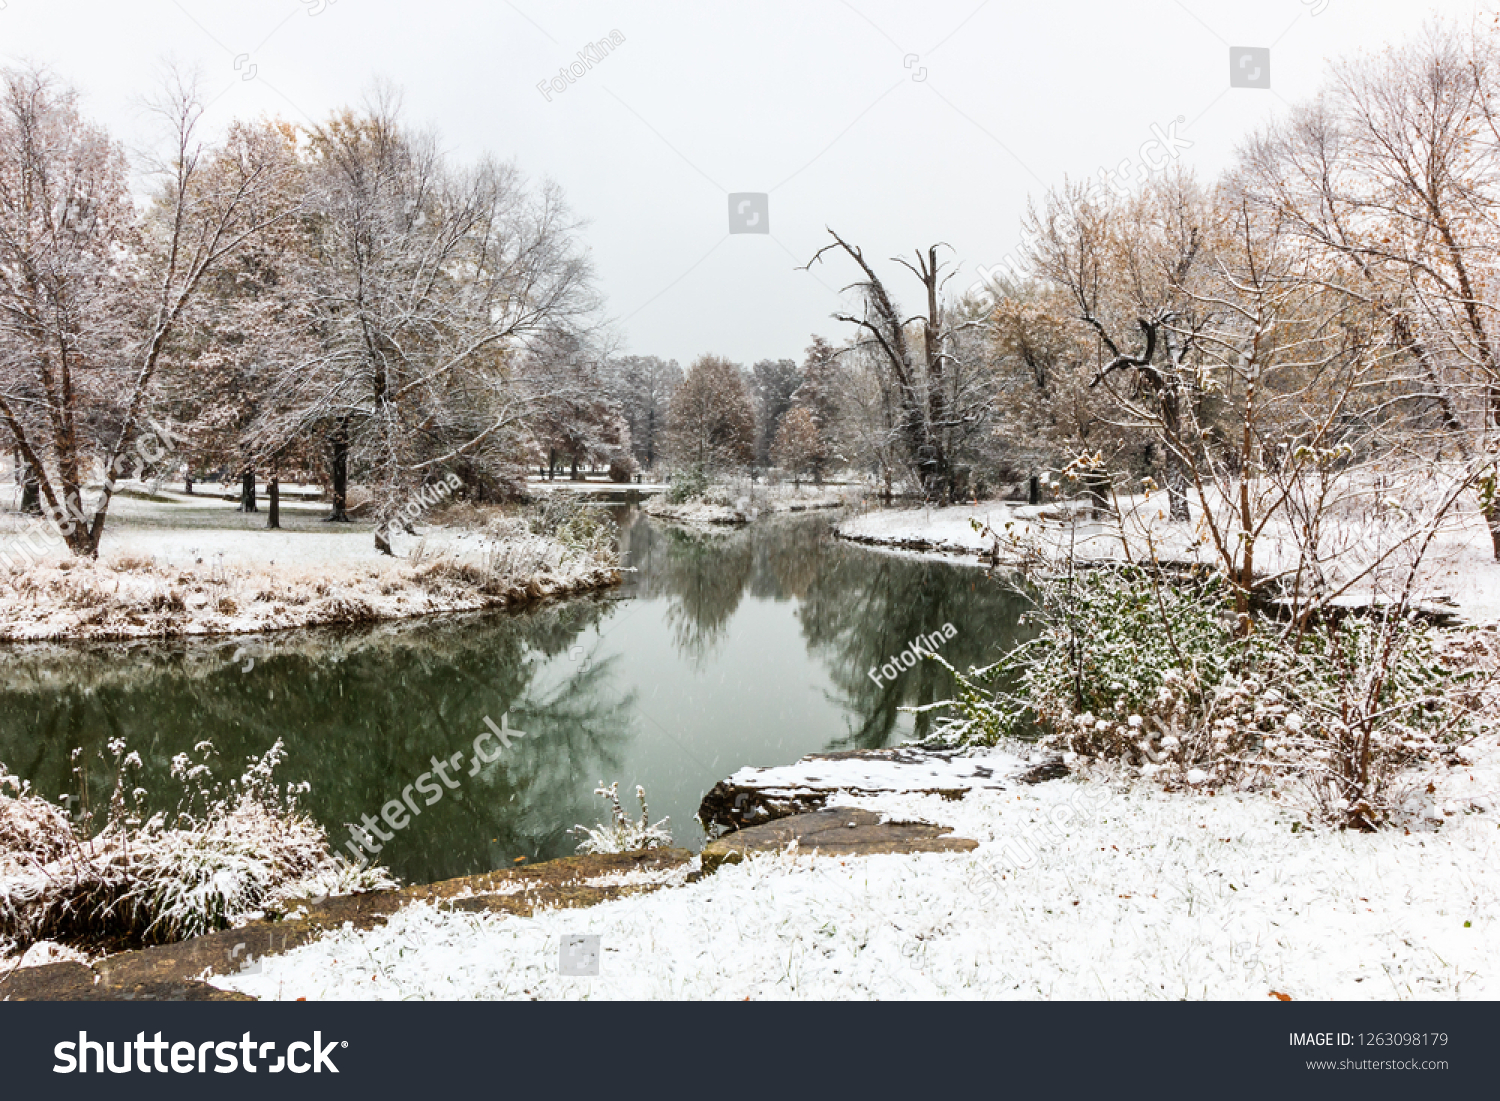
x=897, y=124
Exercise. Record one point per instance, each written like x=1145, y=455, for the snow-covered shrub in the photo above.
x=560, y=535
x=687, y=485
x=620, y=834
x=1149, y=672
x=584, y=528
x=232, y=851
x=30, y=824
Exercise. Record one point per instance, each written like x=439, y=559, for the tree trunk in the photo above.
x=247, y=490
x=187, y=484
x=1177, y=479
x=340, y=471
x=31, y=493
x=1177, y=490
x=1096, y=485
x=82, y=537
x=1492, y=517
x=932, y=348
x=81, y=542
x=273, y=495
x=573, y=474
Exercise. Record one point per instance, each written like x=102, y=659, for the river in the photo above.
x=750, y=647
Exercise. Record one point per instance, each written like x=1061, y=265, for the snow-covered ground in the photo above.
x=177, y=530
x=942, y=530
x=193, y=565
x=1077, y=890
x=887, y=770
x=740, y=502
x=1459, y=566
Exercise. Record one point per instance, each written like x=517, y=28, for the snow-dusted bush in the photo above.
x=581, y=526
x=231, y=852
x=1150, y=673
x=688, y=485
x=620, y=834
x=559, y=537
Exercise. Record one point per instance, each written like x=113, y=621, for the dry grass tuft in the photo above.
x=132, y=563
x=139, y=882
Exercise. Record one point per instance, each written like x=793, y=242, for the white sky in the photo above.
x=809, y=100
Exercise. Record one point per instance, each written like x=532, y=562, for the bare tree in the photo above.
x=91, y=293
x=926, y=415
x=1297, y=377
x=579, y=421
x=644, y=386
x=1046, y=410
x=218, y=377
x=427, y=284
x=1390, y=175
x=1127, y=265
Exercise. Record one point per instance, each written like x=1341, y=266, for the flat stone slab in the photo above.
x=754, y=796
x=836, y=831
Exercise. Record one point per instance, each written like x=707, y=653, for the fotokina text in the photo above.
x=922, y=644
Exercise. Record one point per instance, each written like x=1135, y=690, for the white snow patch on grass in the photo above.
x=1131, y=894
x=1459, y=566
x=987, y=767
x=193, y=566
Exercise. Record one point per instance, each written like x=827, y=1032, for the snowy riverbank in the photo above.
x=1459, y=570
x=181, y=566
x=741, y=502
x=1077, y=889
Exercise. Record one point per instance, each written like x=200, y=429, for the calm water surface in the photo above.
x=748, y=648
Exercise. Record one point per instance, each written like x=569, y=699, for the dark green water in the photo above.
x=751, y=648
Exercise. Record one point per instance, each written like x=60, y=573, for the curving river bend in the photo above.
x=750, y=647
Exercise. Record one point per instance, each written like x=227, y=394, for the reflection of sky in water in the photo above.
x=745, y=648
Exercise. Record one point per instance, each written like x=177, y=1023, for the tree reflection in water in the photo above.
x=747, y=646
x=858, y=608
x=361, y=714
